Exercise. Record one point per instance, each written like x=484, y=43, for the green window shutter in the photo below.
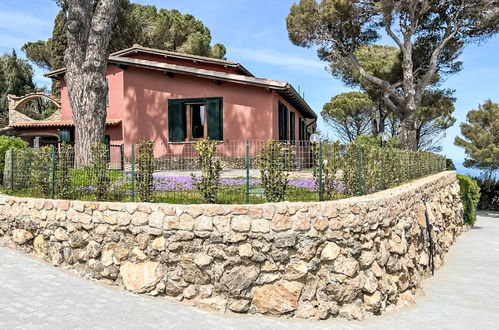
x=215, y=121
x=282, y=124
x=176, y=121
x=285, y=123
x=65, y=135
x=301, y=130
x=292, y=126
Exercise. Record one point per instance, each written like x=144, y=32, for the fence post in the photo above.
x=122, y=157
x=321, y=170
x=248, y=165
x=52, y=188
x=360, y=171
x=133, y=173
x=11, y=170
x=383, y=181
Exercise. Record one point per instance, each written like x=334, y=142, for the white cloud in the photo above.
x=285, y=60
x=261, y=34
x=20, y=22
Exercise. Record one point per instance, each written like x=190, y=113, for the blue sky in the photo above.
x=254, y=32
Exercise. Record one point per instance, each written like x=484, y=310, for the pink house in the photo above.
x=173, y=98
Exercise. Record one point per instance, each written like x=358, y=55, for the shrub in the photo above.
x=489, y=194
x=7, y=143
x=145, y=170
x=211, y=169
x=331, y=164
x=470, y=195
x=349, y=169
x=41, y=171
x=64, y=164
x=99, y=170
x=272, y=166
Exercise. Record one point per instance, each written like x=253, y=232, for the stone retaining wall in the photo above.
x=347, y=258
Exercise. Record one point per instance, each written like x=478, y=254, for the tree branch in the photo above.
x=98, y=37
x=386, y=87
x=78, y=29
x=389, y=103
x=452, y=29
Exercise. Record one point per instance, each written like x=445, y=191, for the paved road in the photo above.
x=462, y=295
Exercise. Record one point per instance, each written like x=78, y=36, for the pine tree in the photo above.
x=16, y=78
x=430, y=36
x=135, y=24
x=58, y=44
x=481, y=138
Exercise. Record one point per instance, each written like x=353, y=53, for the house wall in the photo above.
x=250, y=113
x=139, y=97
x=116, y=105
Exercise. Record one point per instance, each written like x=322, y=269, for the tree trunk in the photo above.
x=407, y=134
x=88, y=32
x=407, y=129
x=90, y=119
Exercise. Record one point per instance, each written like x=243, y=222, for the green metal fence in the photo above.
x=323, y=171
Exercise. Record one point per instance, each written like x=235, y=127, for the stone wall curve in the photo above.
x=348, y=258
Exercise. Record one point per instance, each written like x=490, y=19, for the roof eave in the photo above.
x=205, y=59
x=284, y=89
x=201, y=73
x=290, y=93
x=55, y=74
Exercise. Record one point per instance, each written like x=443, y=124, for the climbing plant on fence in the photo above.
x=145, y=167
x=274, y=171
x=272, y=164
x=99, y=170
x=41, y=171
x=357, y=169
x=63, y=174
x=211, y=168
x=328, y=175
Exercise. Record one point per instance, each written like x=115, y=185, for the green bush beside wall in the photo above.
x=470, y=195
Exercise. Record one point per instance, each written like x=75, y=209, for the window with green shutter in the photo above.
x=302, y=130
x=215, y=119
x=292, y=125
x=65, y=135
x=176, y=121
x=283, y=122
x=192, y=119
